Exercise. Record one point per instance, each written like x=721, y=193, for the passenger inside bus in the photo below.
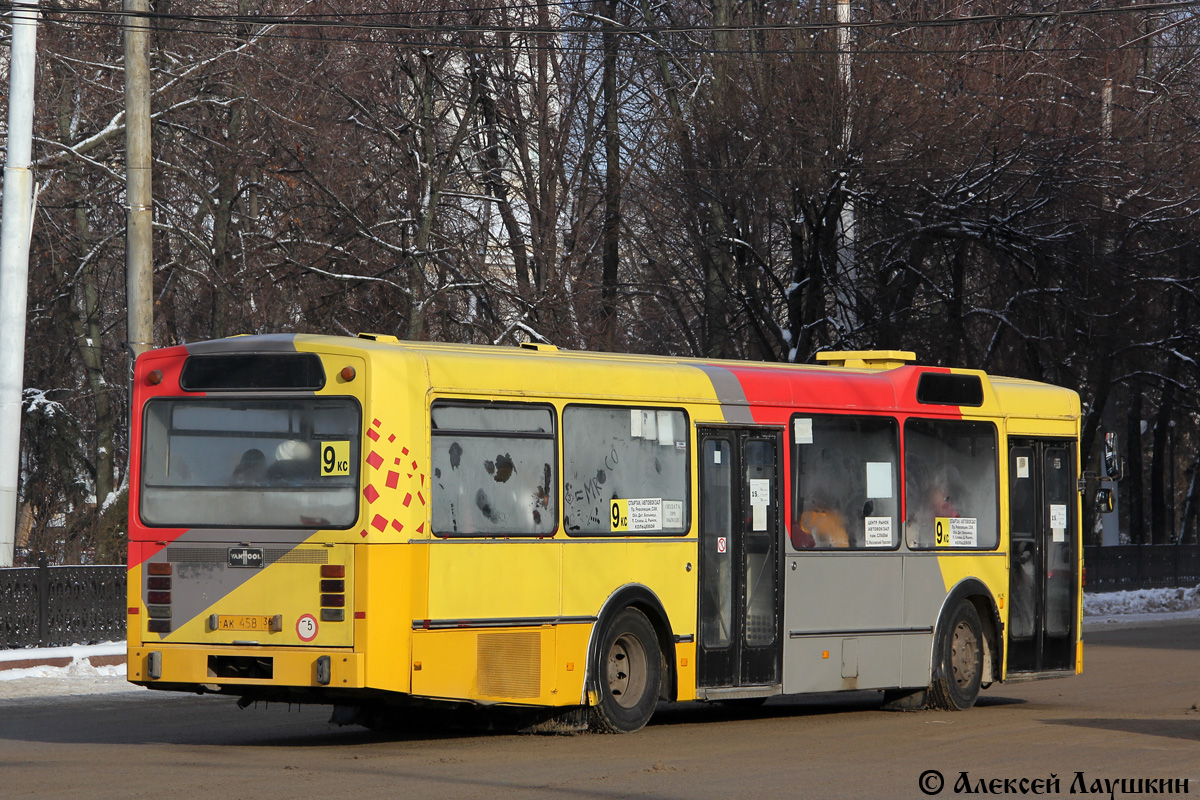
x=252, y=469
x=820, y=527
x=295, y=463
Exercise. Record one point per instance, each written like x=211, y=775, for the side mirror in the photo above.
x=1105, y=501
x=1113, y=466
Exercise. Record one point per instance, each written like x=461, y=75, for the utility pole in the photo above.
x=16, y=228
x=844, y=287
x=139, y=219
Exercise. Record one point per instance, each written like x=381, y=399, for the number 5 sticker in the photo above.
x=306, y=628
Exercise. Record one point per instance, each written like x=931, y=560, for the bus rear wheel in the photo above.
x=958, y=666
x=628, y=674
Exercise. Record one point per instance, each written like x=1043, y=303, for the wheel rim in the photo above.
x=626, y=670
x=964, y=654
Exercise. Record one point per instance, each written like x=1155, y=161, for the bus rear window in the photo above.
x=277, y=463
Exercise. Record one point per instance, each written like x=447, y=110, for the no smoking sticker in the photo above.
x=306, y=628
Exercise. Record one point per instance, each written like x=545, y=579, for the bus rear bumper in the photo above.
x=225, y=669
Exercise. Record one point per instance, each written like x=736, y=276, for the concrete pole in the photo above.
x=139, y=242
x=16, y=227
x=846, y=315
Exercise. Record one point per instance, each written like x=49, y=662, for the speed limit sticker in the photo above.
x=306, y=628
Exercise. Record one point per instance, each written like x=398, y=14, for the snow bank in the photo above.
x=1141, y=601
x=78, y=668
x=76, y=651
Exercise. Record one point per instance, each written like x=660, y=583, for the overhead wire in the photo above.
x=378, y=22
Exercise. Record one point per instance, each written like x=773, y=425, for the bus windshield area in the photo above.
x=258, y=463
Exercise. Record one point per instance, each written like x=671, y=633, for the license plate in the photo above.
x=246, y=557
x=247, y=622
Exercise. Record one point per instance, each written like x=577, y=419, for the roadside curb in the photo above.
x=62, y=661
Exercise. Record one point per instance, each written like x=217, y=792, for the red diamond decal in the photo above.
x=374, y=435
x=407, y=500
x=398, y=525
x=380, y=522
x=371, y=493
x=393, y=479
x=374, y=459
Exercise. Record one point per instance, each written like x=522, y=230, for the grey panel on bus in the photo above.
x=729, y=392
x=924, y=594
x=266, y=343
x=198, y=582
x=831, y=599
x=886, y=606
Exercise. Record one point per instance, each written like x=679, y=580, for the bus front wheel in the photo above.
x=628, y=674
x=958, y=663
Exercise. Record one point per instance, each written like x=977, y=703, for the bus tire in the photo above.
x=958, y=660
x=628, y=674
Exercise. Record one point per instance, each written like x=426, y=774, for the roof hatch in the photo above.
x=867, y=359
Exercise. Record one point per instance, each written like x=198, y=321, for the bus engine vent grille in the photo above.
x=510, y=664
x=297, y=556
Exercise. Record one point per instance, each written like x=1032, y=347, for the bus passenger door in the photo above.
x=1042, y=543
x=740, y=623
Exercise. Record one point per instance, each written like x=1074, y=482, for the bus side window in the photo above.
x=493, y=469
x=625, y=471
x=950, y=484
x=845, y=482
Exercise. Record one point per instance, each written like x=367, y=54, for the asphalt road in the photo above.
x=1133, y=714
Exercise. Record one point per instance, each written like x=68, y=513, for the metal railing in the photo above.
x=1141, y=566
x=45, y=606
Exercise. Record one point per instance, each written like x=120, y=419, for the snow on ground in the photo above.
x=80, y=677
x=1141, y=601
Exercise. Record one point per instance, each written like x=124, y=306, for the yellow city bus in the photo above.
x=386, y=525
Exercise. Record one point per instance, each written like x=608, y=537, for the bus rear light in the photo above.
x=333, y=570
x=333, y=600
x=159, y=612
x=154, y=377
x=333, y=586
x=158, y=568
x=159, y=626
x=360, y=615
x=333, y=615
x=158, y=598
x=158, y=583
x=347, y=373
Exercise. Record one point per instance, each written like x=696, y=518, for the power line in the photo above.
x=373, y=21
